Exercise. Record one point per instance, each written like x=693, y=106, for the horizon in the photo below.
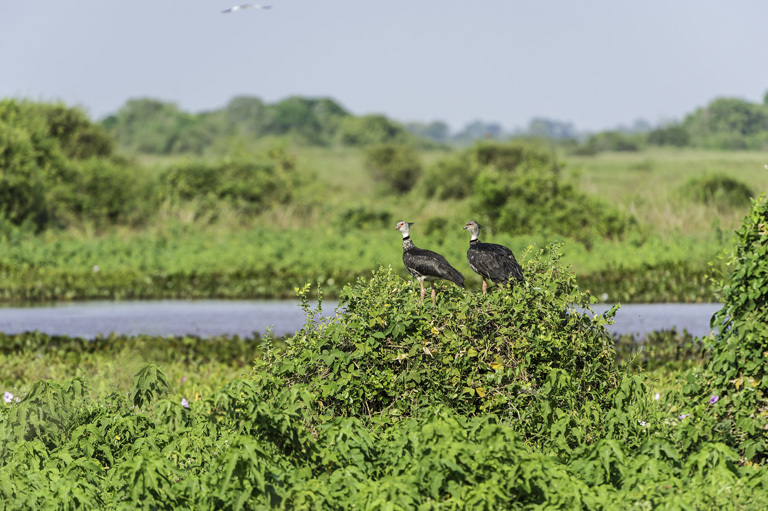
x=598, y=65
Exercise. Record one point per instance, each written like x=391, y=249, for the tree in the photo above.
x=396, y=165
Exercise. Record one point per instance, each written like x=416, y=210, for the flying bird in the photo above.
x=425, y=264
x=243, y=7
x=491, y=261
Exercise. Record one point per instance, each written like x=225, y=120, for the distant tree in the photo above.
x=371, y=129
x=672, y=135
x=728, y=123
x=312, y=120
x=151, y=126
x=548, y=128
x=437, y=131
x=245, y=115
x=609, y=141
x=479, y=130
x=396, y=165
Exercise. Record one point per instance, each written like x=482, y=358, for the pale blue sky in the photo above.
x=596, y=64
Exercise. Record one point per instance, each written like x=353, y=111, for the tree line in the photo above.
x=150, y=126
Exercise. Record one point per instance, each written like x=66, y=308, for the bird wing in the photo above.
x=431, y=264
x=495, y=262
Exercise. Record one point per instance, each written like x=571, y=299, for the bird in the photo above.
x=243, y=7
x=425, y=264
x=491, y=261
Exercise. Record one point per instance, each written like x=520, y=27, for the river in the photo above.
x=206, y=318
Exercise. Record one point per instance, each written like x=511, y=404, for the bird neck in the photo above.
x=407, y=243
x=474, y=240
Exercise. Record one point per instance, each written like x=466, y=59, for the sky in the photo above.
x=595, y=63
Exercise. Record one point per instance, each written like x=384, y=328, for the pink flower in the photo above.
x=714, y=399
x=683, y=416
x=184, y=402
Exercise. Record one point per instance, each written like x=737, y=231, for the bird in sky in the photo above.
x=243, y=7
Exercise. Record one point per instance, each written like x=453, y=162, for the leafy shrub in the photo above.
x=728, y=123
x=720, y=190
x=520, y=354
x=450, y=178
x=397, y=166
x=249, y=186
x=522, y=193
x=656, y=351
x=57, y=168
x=673, y=135
x=364, y=217
x=371, y=130
x=737, y=371
x=609, y=141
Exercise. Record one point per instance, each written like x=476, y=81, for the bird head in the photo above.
x=404, y=227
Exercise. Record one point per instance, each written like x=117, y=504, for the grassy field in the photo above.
x=320, y=236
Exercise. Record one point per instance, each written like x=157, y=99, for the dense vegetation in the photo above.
x=512, y=400
x=270, y=216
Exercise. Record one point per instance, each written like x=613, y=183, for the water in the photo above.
x=206, y=318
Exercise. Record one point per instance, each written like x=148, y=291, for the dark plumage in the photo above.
x=425, y=264
x=491, y=261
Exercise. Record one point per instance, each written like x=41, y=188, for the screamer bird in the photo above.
x=425, y=264
x=491, y=261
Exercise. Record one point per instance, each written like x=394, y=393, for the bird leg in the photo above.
x=485, y=286
x=423, y=291
x=433, y=292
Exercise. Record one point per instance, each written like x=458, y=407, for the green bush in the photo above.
x=371, y=129
x=728, y=123
x=450, y=178
x=719, y=190
x=736, y=372
x=248, y=186
x=609, y=141
x=673, y=135
x=520, y=354
x=57, y=169
x=521, y=192
x=397, y=166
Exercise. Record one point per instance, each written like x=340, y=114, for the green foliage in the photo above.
x=370, y=130
x=397, y=166
x=609, y=141
x=677, y=281
x=502, y=401
x=311, y=120
x=520, y=191
x=248, y=186
x=521, y=354
x=57, y=169
x=736, y=369
x=729, y=123
x=451, y=177
x=155, y=127
x=148, y=385
x=719, y=190
x=661, y=351
x=673, y=135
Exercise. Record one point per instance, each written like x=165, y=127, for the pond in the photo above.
x=207, y=318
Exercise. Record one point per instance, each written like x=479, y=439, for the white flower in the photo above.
x=184, y=402
x=657, y=396
x=642, y=423
x=8, y=397
x=96, y=268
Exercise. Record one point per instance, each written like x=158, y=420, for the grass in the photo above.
x=308, y=240
x=647, y=185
